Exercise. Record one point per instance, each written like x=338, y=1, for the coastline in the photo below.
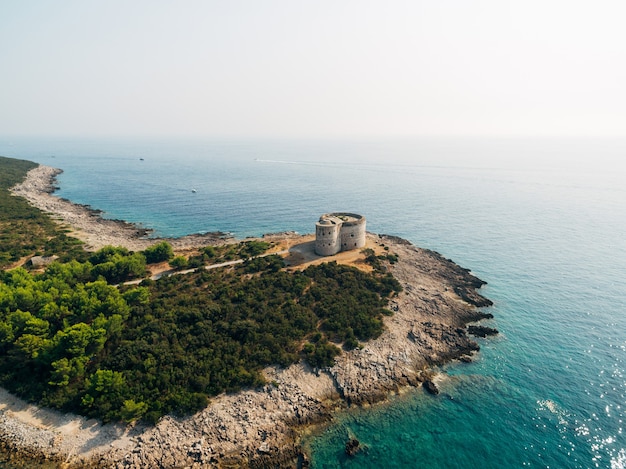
x=89, y=226
x=259, y=427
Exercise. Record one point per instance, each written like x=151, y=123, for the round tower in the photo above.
x=327, y=238
x=352, y=232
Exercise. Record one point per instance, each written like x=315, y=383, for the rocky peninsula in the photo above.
x=258, y=427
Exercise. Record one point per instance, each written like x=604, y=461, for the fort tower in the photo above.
x=335, y=232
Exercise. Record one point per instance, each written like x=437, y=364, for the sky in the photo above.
x=308, y=69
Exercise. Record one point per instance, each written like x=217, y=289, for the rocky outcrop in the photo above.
x=481, y=331
x=431, y=387
x=353, y=446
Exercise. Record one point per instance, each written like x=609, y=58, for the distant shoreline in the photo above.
x=89, y=226
x=258, y=427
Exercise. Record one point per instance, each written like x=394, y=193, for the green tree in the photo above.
x=132, y=410
x=253, y=248
x=107, y=253
x=105, y=394
x=66, y=369
x=137, y=296
x=320, y=354
x=159, y=252
x=32, y=345
x=6, y=333
x=179, y=262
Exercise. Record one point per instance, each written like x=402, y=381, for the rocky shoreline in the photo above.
x=263, y=427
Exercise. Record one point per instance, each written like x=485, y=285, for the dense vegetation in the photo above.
x=71, y=339
x=229, y=252
x=25, y=230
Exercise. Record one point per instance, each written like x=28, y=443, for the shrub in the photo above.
x=179, y=262
x=159, y=252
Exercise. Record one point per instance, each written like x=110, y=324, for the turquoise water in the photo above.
x=542, y=221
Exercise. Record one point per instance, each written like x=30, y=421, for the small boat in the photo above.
x=140, y=159
x=194, y=191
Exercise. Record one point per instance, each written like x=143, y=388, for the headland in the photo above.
x=260, y=427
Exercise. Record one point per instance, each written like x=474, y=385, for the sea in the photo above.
x=542, y=220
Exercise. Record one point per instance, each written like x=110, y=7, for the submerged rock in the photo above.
x=481, y=331
x=353, y=446
x=431, y=387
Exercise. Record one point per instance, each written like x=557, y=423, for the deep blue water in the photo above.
x=542, y=221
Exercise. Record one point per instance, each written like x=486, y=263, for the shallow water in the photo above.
x=541, y=221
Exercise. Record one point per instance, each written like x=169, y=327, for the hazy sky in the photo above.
x=296, y=68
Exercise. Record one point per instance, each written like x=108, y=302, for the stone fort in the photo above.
x=335, y=232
